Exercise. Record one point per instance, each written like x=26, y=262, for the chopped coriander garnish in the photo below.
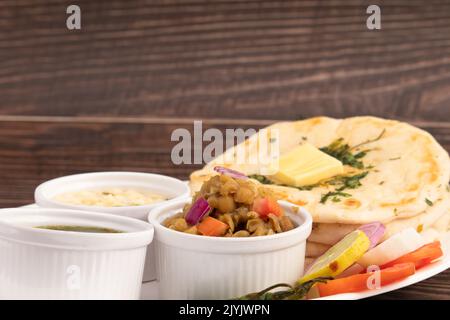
x=334, y=195
x=348, y=182
x=262, y=179
x=307, y=188
x=343, y=152
x=429, y=202
x=343, y=183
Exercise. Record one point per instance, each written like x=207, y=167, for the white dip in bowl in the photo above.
x=78, y=192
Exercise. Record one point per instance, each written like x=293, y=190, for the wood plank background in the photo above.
x=108, y=96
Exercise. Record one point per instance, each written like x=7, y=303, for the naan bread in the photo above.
x=330, y=233
x=443, y=223
x=409, y=166
x=308, y=262
x=436, y=217
x=422, y=221
x=314, y=249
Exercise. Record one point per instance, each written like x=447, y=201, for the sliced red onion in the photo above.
x=197, y=211
x=374, y=231
x=230, y=172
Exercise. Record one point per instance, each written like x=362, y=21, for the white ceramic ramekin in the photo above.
x=198, y=267
x=49, y=264
x=172, y=188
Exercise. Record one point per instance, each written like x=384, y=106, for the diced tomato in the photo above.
x=358, y=282
x=265, y=206
x=421, y=257
x=212, y=227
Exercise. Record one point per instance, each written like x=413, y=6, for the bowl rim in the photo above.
x=43, y=201
x=228, y=244
x=141, y=236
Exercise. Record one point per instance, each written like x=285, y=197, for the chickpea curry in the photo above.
x=230, y=205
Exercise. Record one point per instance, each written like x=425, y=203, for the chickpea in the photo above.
x=274, y=223
x=236, y=219
x=253, y=224
x=211, y=186
x=230, y=187
x=286, y=223
x=192, y=230
x=252, y=215
x=260, y=231
x=242, y=211
x=241, y=233
x=170, y=221
x=224, y=179
x=180, y=224
x=213, y=201
x=243, y=217
x=228, y=219
x=226, y=204
x=244, y=195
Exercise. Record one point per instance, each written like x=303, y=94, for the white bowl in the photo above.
x=199, y=267
x=49, y=264
x=164, y=185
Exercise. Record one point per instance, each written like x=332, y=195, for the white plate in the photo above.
x=422, y=274
x=150, y=289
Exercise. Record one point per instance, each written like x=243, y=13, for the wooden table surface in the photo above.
x=108, y=96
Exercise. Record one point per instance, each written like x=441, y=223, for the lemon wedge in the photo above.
x=339, y=257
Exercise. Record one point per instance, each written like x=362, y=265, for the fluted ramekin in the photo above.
x=168, y=186
x=198, y=267
x=48, y=264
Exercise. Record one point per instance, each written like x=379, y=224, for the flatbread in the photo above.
x=436, y=217
x=420, y=222
x=409, y=166
x=314, y=249
x=308, y=262
x=330, y=233
x=443, y=223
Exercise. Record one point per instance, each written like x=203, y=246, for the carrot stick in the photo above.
x=212, y=227
x=358, y=282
